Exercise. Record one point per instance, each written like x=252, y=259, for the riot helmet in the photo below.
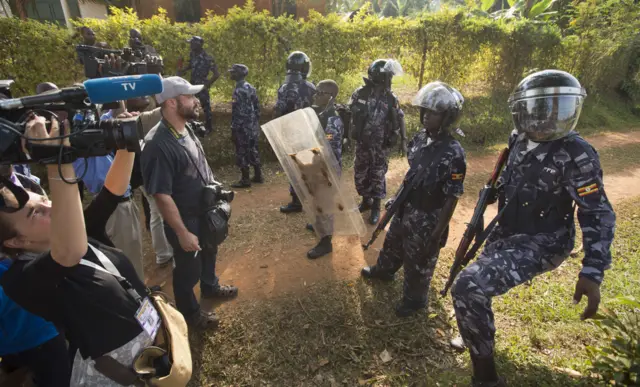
x=382, y=71
x=440, y=98
x=299, y=63
x=239, y=71
x=546, y=105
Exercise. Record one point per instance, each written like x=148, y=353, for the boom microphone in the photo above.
x=99, y=91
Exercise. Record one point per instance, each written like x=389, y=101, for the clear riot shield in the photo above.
x=299, y=142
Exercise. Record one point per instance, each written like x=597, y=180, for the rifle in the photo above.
x=403, y=194
x=463, y=254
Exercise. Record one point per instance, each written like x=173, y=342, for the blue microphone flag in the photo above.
x=104, y=90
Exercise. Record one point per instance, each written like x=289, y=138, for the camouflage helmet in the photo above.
x=298, y=62
x=546, y=105
x=441, y=98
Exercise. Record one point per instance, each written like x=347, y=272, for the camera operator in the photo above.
x=27, y=340
x=175, y=172
x=63, y=276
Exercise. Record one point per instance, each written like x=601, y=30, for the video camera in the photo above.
x=134, y=62
x=88, y=135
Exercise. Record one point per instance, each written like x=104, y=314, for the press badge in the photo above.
x=148, y=318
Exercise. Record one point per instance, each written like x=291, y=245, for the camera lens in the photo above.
x=122, y=134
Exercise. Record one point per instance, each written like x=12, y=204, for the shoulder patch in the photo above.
x=588, y=189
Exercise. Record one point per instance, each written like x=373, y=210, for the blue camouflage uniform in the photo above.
x=407, y=242
x=537, y=231
x=372, y=148
x=334, y=131
x=201, y=64
x=245, y=127
x=295, y=93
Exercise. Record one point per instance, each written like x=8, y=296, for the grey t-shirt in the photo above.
x=167, y=169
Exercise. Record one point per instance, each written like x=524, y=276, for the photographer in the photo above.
x=63, y=266
x=175, y=172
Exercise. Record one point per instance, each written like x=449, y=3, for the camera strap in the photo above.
x=177, y=137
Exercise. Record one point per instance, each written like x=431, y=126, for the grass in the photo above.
x=336, y=333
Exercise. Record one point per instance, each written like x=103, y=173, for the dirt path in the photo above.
x=265, y=254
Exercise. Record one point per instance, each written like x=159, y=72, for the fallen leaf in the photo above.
x=385, y=356
x=569, y=371
x=323, y=362
x=305, y=326
x=440, y=332
x=432, y=315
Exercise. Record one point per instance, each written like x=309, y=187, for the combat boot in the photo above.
x=374, y=271
x=257, y=177
x=365, y=205
x=484, y=372
x=294, y=206
x=407, y=308
x=244, y=181
x=323, y=247
x=375, y=212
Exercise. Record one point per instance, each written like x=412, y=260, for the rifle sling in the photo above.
x=533, y=171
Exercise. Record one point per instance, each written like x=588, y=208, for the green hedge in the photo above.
x=483, y=57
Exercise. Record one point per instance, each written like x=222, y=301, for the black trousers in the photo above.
x=191, y=268
x=49, y=363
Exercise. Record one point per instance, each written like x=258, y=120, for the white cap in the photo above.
x=175, y=86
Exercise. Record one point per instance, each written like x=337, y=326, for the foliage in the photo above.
x=484, y=57
x=517, y=9
x=619, y=361
x=32, y=52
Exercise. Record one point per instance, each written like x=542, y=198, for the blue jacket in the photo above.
x=19, y=329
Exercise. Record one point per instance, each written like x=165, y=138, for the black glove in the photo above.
x=493, y=194
x=591, y=289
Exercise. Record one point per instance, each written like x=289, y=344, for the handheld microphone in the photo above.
x=99, y=91
x=103, y=90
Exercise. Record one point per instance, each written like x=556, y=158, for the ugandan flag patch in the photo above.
x=457, y=176
x=588, y=189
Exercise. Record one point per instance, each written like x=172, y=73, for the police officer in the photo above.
x=135, y=42
x=376, y=122
x=550, y=170
x=420, y=227
x=327, y=92
x=245, y=127
x=200, y=64
x=295, y=93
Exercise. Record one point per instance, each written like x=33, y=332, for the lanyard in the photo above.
x=109, y=268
